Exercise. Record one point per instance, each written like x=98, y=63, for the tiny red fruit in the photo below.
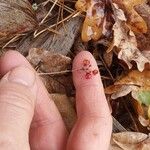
x=86, y=62
x=88, y=75
x=95, y=72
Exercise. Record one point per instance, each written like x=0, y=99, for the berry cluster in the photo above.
x=87, y=69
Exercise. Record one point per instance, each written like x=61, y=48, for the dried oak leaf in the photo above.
x=138, y=84
x=65, y=108
x=47, y=61
x=134, y=20
x=54, y=66
x=16, y=17
x=93, y=23
x=58, y=84
x=130, y=141
x=125, y=41
x=143, y=40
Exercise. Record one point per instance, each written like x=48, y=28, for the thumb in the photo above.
x=17, y=101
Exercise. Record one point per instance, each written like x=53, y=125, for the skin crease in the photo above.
x=41, y=127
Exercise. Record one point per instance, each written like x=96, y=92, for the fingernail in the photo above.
x=22, y=75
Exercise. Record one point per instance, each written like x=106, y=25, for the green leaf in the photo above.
x=144, y=97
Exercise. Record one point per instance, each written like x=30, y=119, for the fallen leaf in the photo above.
x=62, y=84
x=134, y=20
x=66, y=109
x=138, y=84
x=16, y=17
x=52, y=68
x=93, y=23
x=125, y=41
x=130, y=141
x=143, y=39
x=47, y=61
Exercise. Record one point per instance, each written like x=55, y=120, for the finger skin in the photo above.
x=94, y=125
x=17, y=103
x=47, y=129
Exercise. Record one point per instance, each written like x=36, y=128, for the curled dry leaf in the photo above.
x=144, y=39
x=16, y=17
x=134, y=20
x=138, y=84
x=66, y=109
x=125, y=41
x=47, y=61
x=54, y=66
x=93, y=23
x=58, y=84
x=97, y=13
x=130, y=141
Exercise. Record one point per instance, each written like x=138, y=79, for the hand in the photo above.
x=29, y=119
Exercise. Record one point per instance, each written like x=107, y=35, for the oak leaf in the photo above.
x=47, y=61
x=138, y=84
x=125, y=41
x=52, y=68
x=134, y=20
x=65, y=108
x=93, y=23
x=130, y=141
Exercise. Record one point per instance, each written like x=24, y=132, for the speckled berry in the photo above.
x=95, y=72
x=86, y=62
x=88, y=75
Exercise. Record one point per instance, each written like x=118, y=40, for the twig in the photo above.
x=59, y=11
x=65, y=6
x=12, y=40
x=48, y=12
x=63, y=72
x=55, y=73
x=67, y=18
x=62, y=16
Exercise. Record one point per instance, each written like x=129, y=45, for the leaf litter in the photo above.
x=51, y=32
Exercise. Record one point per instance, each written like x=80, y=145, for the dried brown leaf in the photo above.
x=93, y=23
x=47, y=61
x=138, y=84
x=144, y=39
x=117, y=91
x=60, y=84
x=125, y=41
x=137, y=78
x=16, y=17
x=134, y=20
x=66, y=109
x=130, y=141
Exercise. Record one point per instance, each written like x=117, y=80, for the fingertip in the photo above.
x=85, y=70
x=82, y=54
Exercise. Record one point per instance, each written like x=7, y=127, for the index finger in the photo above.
x=94, y=125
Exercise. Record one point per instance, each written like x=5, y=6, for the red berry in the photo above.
x=86, y=62
x=88, y=76
x=88, y=71
x=95, y=72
